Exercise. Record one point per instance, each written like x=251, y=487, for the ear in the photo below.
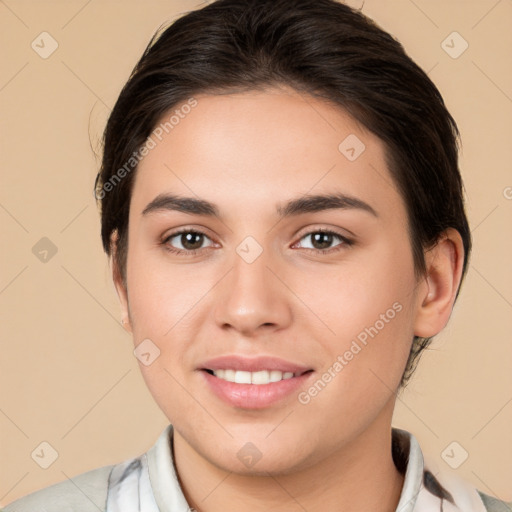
x=437, y=295
x=120, y=286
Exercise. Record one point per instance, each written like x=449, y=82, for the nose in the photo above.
x=252, y=298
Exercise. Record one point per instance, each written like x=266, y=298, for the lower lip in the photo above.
x=254, y=396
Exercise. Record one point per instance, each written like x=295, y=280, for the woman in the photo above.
x=282, y=206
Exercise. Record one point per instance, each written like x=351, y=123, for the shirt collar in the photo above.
x=162, y=472
x=407, y=454
x=153, y=479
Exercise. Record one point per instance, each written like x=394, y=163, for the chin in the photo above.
x=260, y=458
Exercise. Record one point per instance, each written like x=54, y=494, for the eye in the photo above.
x=186, y=241
x=321, y=240
x=190, y=242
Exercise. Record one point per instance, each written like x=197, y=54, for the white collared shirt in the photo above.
x=149, y=483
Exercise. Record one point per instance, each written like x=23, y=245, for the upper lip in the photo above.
x=252, y=364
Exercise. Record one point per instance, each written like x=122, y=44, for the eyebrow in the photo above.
x=303, y=204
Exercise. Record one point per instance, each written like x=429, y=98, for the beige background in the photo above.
x=67, y=371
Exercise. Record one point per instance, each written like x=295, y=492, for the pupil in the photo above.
x=188, y=243
x=323, y=239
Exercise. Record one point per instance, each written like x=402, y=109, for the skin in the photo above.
x=248, y=153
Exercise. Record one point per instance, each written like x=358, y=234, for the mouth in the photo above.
x=257, y=378
x=254, y=383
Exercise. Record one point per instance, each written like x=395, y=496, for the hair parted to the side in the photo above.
x=318, y=47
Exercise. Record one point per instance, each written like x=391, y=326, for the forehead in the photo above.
x=251, y=149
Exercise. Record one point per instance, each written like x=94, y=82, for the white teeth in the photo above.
x=275, y=375
x=260, y=377
x=229, y=375
x=243, y=377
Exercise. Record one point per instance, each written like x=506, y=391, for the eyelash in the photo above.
x=192, y=252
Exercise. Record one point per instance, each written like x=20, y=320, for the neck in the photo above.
x=360, y=476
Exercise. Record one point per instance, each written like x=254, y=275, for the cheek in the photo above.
x=163, y=296
x=364, y=361
x=370, y=314
x=165, y=304
x=368, y=290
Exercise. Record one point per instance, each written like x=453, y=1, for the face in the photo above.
x=257, y=277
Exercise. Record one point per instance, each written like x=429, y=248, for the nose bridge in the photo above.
x=251, y=296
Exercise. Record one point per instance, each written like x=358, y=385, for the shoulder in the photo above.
x=86, y=492
x=495, y=505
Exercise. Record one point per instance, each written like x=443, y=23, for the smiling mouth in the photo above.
x=260, y=377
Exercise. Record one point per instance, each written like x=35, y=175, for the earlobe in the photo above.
x=123, y=300
x=444, y=263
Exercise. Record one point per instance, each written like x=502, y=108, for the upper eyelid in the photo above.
x=185, y=230
x=344, y=239
x=166, y=238
x=324, y=229
x=299, y=236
